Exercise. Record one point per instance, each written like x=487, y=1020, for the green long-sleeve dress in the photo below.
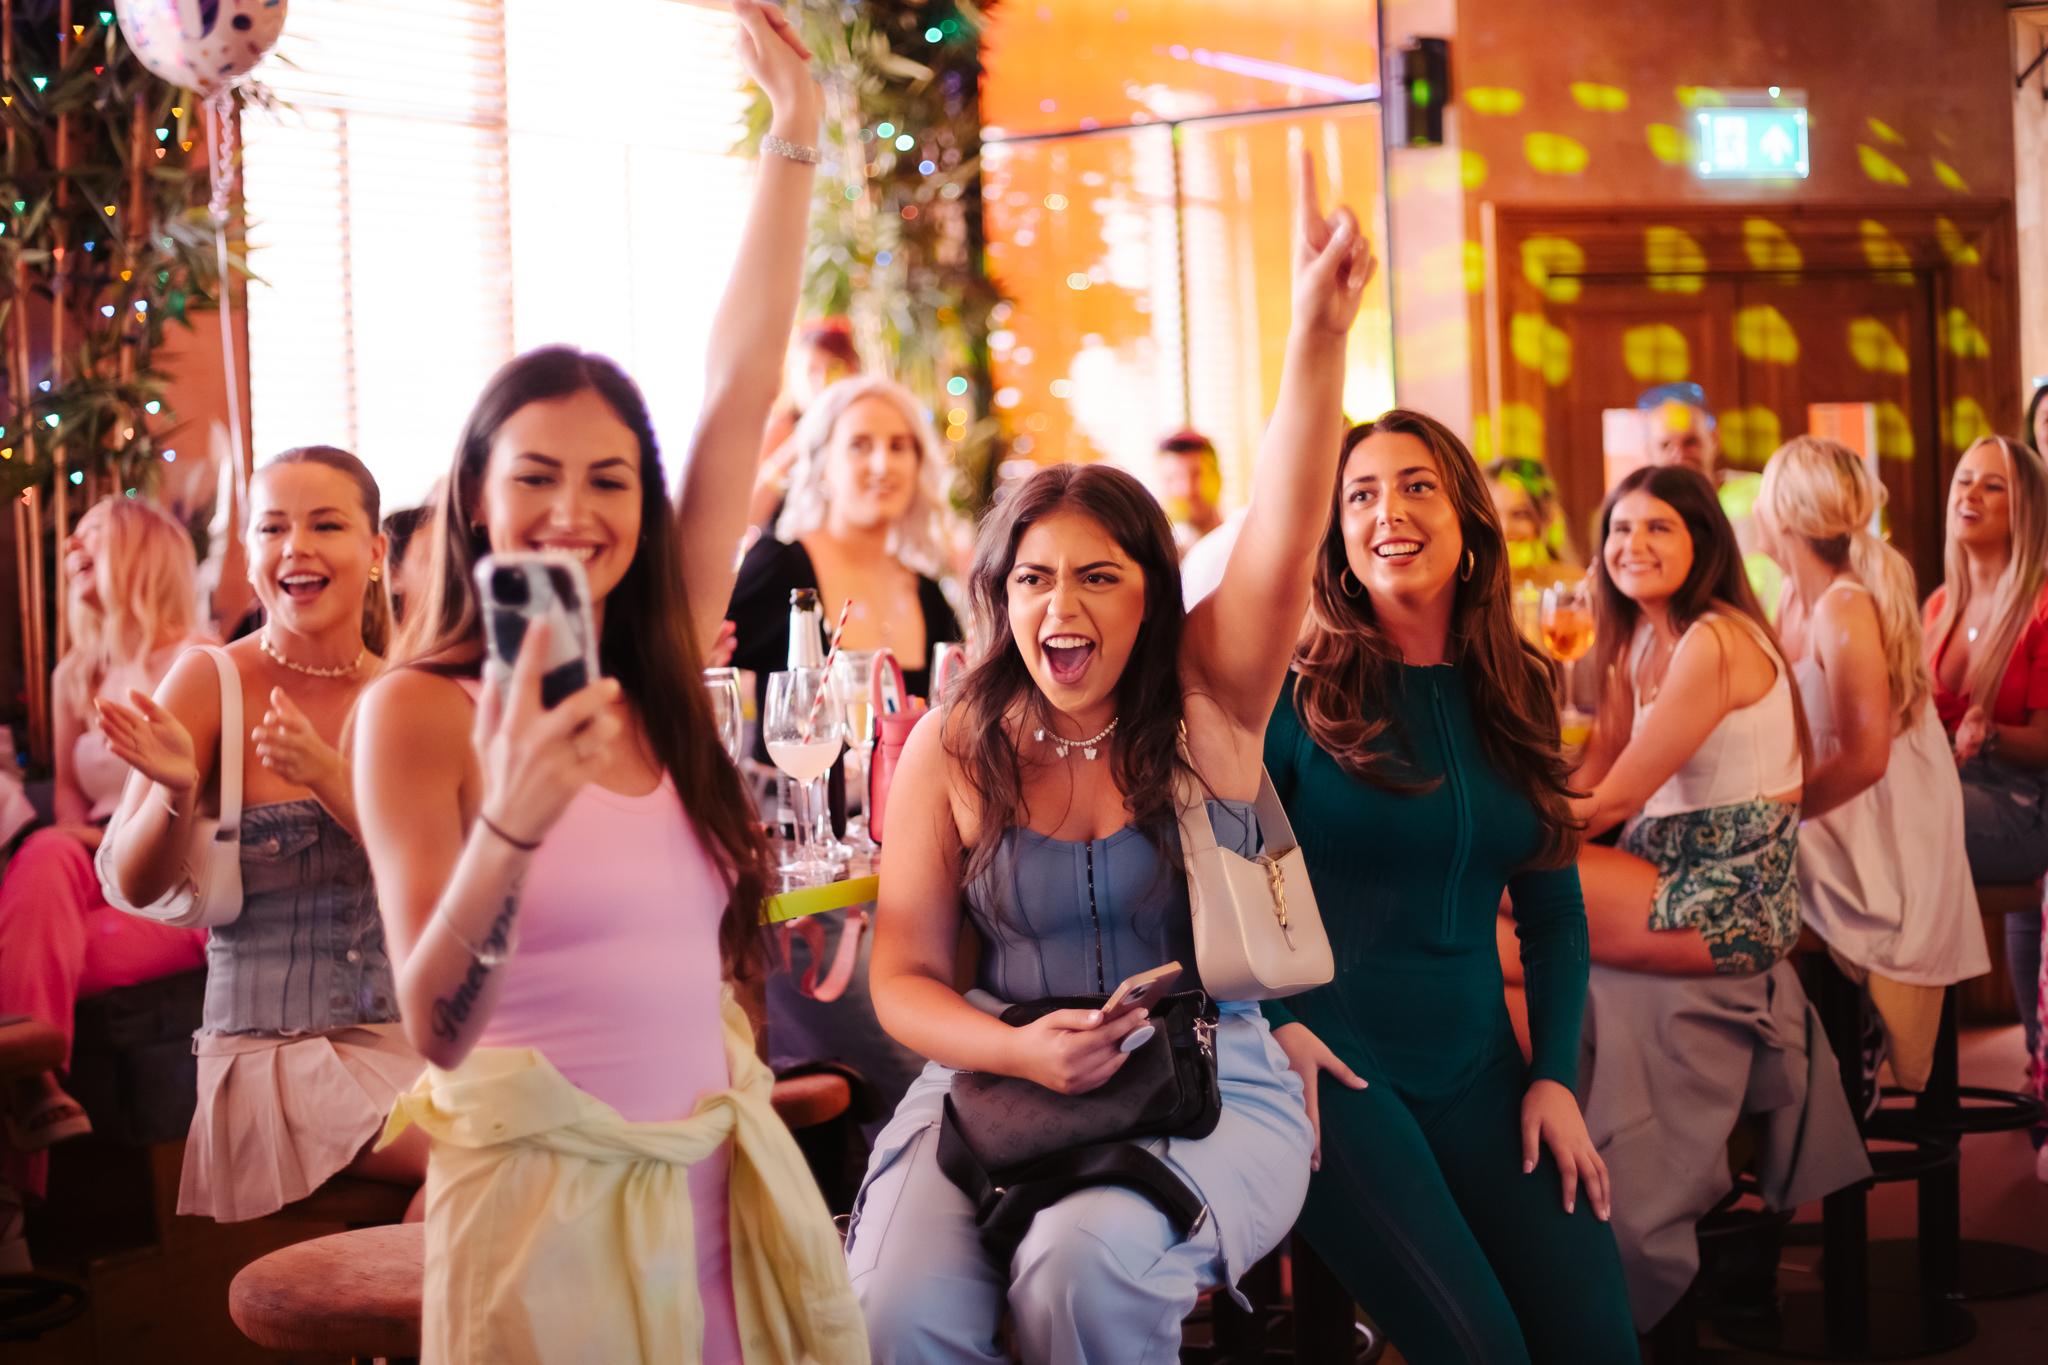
x=1421, y=1206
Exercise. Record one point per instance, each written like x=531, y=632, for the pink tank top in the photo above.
x=616, y=982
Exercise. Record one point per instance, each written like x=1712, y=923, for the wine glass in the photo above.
x=724, y=686
x=852, y=679
x=1566, y=619
x=802, y=729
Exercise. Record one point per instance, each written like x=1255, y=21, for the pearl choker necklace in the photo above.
x=1086, y=746
x=277, y=656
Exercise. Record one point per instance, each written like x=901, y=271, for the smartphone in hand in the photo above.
x=514, y=591
x=1141, y=990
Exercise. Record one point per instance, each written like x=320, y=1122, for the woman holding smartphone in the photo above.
x=569, y=893
x=1041, y=796
x=299, y=1049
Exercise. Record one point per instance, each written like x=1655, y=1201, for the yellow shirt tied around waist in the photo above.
x=558, y=1231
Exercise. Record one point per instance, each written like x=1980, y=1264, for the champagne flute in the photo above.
x=1566, y=619
x=802, y=729
x=724, y=686
x=852, y=678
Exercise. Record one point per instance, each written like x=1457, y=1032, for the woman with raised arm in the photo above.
x=1883, y=876
x=300, y=1054
x=1416, y=747
x=130, y=581
x=1041, y=796
x=570, y=891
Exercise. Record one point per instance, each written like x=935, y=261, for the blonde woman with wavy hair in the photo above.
x=1987, y=647
x=1883, y=877
x=133, y=596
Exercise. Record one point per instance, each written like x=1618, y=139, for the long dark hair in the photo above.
x=996, y=697
x=1717, y=579
x=1348, y=671
x=648, y=641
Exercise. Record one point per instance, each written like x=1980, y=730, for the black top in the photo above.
x=760, y=612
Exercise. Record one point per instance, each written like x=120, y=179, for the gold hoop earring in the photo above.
x=376, y=572
x=1347, y=582
x=1471, y=562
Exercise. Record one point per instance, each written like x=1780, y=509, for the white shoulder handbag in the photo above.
x=1258, y=933
x=211, y=893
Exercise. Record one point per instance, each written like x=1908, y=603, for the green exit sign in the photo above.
x=1752, y=142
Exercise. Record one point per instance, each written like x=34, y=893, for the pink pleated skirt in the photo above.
x=278, y=1115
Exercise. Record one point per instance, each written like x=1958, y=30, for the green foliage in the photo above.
x=98, y=88
x=895, y=247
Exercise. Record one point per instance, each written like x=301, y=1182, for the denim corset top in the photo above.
x=307, y=952
x=1076, y=916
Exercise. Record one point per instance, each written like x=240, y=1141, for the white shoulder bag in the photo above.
x=1258, y=933
x=211, y=892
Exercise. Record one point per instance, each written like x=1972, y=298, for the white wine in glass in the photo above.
x=801, y=728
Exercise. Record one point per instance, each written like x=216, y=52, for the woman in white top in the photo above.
x=133, y=598
x=1699, y=745
x=1883, y=872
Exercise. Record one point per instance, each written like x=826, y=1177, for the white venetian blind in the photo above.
x=456, y=179
x=380, y=232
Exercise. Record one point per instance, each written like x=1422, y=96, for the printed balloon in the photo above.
x=203, y=45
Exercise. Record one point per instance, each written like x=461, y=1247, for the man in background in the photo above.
x=1682, y=431
x=1190, y=482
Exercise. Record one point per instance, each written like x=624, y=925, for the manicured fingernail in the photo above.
x=1528, y=1166
x=1567, y=1206
x=1094, y=1016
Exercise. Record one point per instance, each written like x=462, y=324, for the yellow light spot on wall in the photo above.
x=1769, y=246
x=1475, y=268
x=1555, y=154
x=1886, y=132
x=1762, y=334
x=1601, y=99
x=1894, y=432
x=1550, y=263
x=1875, y=348
x=1694, y=96
x=1880, y=167
x=1538, y=346
x=1656, y=353
x=1667, y=144
x=1471, y=169
x=1953, y=245
x=1521, y=431
x=1672, y=257
x=1750, y=434
x=1949, y=176
x=1882, y=249
x=1967, y=423
x=1963, y=337
x=1483, y=441
x=1494, y=101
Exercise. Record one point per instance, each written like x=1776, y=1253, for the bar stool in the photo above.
x=354, y=1294
x=1842, y=1320
x=31, y=1304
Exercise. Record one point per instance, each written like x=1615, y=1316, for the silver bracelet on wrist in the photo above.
x=485, y=956
x=794, y=151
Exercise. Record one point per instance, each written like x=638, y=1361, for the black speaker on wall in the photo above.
x=1424, y=88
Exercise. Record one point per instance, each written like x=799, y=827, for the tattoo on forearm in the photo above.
x=452, y=1011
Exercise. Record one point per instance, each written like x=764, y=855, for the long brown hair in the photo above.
x=377, y=596
x=997, y=692
x=1349, y=671
x=1716, y=581
x=648, y=641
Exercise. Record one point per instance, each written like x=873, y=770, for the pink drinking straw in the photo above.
x=831, y=657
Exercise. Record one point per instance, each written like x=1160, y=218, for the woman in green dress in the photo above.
x=1456, y=1192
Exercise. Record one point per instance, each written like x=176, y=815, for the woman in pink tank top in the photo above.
x=582, y=881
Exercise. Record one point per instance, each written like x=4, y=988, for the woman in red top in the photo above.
x=1987, y=647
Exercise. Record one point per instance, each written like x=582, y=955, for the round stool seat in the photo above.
x=806, y=1101
x=352, y=1294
